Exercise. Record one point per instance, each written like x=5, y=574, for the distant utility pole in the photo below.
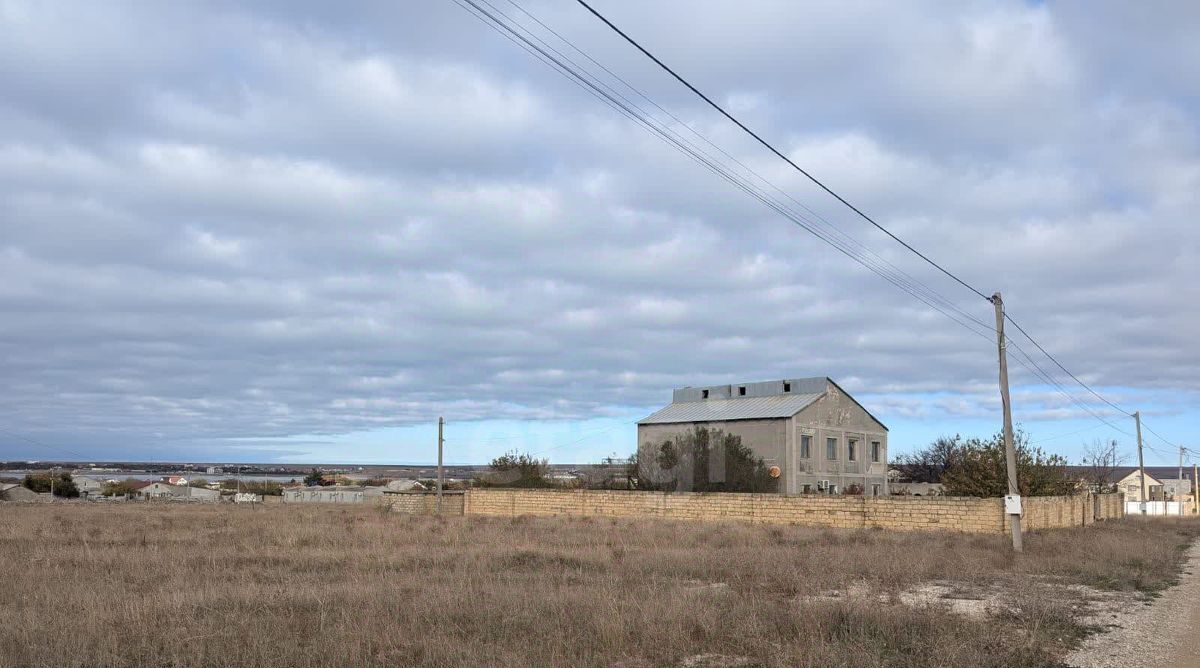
x=1195, y=488
x=1178, y=486
x=1137, y=417
x=1012, y=502
x=440, y=481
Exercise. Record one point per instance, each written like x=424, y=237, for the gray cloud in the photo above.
x=223, y=222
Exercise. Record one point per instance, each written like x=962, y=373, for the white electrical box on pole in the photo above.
x=1012, y=502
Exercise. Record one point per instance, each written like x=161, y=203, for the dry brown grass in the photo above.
x=164, y=585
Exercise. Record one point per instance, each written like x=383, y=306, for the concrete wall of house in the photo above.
x=200, y=494
x=836, y=416
x=1131, y=487
x=765, y=438
x=852, y=512
x=158, y=490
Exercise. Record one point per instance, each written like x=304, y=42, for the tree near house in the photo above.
x=1102, y=460
x=60, y=484
x=928, y=465
x=314, y=478
x=118, y=488
x=705, y=460
x=513, y=469
x=978, y=467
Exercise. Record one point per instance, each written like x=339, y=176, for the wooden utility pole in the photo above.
x=1195, y=488
x=440, y=480
x=1137, y=417
x=1012, y=502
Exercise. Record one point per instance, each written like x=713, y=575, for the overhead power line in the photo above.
x=748, y=181
x=757, y=137
x=42, y=444
x=1059, y=364
x=776, y=151
x=566, y=67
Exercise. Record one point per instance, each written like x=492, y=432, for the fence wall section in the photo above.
x=1161, y=508
x=425, y=503
x=852, y=512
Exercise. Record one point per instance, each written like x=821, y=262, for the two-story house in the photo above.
x=813, y=434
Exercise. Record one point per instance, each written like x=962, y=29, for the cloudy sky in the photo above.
x=301, y=232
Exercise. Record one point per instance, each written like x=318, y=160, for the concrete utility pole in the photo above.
x=1012, y=502
x=1137, y=417
x=1179, y=482
x=440, y=482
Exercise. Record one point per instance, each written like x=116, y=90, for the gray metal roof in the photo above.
x=743, y=408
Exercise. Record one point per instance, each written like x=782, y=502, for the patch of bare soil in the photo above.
x=978, y=602
x=1159, y=633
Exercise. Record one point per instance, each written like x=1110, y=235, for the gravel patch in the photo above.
x=1142, y=631
x=981, y=601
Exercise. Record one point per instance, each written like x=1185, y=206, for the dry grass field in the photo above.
x=168, y=585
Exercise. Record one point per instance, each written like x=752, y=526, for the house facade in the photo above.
x=88, y=487
x=812, y=434
x=155, y=490
x=1131, y=487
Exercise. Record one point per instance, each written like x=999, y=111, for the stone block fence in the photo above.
x=424, y=503
x=970, y=515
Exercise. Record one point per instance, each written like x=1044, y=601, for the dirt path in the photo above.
x=1164, y=633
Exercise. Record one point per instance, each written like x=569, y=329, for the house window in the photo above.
x=806, y=489
x=742, y=391
x=787, y=387
x=704, y=394
x=852, y=449
x=831, y=449
x=805, y=446
x=874, y=490
x=876, y=451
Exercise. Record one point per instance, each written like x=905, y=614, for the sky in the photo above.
x=289, y=231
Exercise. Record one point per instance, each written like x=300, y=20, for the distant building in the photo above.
x=817, y=436
x=404, y=485
x=88, y=487
x=156, y=489
x=1131, y=487
x=162, y=490
x=329, y=494
x=214, y=470
x=197, y=494
x=175, y=480
x=17, y=492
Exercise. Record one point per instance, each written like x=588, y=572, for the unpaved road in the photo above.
x=1164, y=633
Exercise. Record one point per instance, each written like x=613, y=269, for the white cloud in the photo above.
x=284, y=221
